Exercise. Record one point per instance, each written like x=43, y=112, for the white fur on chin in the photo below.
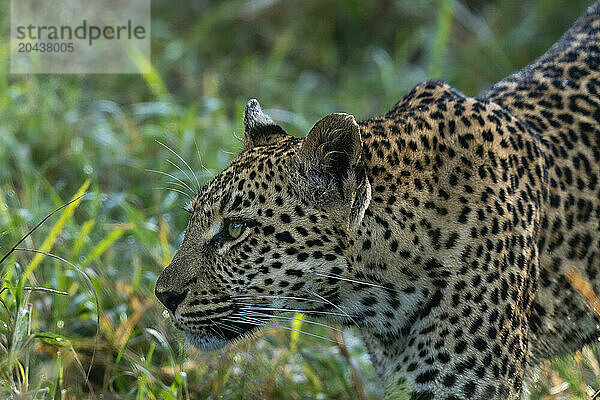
x=205, y=343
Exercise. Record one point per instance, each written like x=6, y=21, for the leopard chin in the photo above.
x=204, y=342
x=218, y=337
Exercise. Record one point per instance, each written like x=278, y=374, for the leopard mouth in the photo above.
x=218, y=333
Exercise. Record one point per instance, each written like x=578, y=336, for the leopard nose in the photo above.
x=170, y=298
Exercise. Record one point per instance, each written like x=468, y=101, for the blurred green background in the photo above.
x=302, y=60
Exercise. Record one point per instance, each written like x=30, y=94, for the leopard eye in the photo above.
x=235, y=228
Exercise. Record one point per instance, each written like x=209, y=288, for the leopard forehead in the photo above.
x=255, y=169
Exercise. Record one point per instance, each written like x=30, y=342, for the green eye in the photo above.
x=235, y=228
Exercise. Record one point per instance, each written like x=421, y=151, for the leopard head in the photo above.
x=270, y=232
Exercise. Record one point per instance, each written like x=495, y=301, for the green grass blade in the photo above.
x=440, y=40
x=83, y=233
x=104, y=245
x=56, y=230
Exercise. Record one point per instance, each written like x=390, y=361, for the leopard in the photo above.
x=448, y=230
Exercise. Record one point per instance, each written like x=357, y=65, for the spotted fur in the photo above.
x=443, y=229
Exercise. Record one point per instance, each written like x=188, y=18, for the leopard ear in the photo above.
x=332, y=164
x=333, y=146
x=259, y=128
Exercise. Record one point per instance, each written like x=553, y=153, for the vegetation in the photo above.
x=61, y=136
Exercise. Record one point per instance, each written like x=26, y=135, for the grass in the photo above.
x=62, y=135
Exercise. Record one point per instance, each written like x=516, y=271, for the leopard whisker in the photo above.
x=291, y=319
x=277, y=297
x=251, y=307
x=240, y=318
x=334, y=305
x=220, y=333
x=184, y=162
x=235, y=135
x=280, y=327
x=261, y=304
x=170, y=189
x=172, y=177
x=206, y=170
x=177, y=184
x=228, y=327
x=351, y=280
x=180, y=170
